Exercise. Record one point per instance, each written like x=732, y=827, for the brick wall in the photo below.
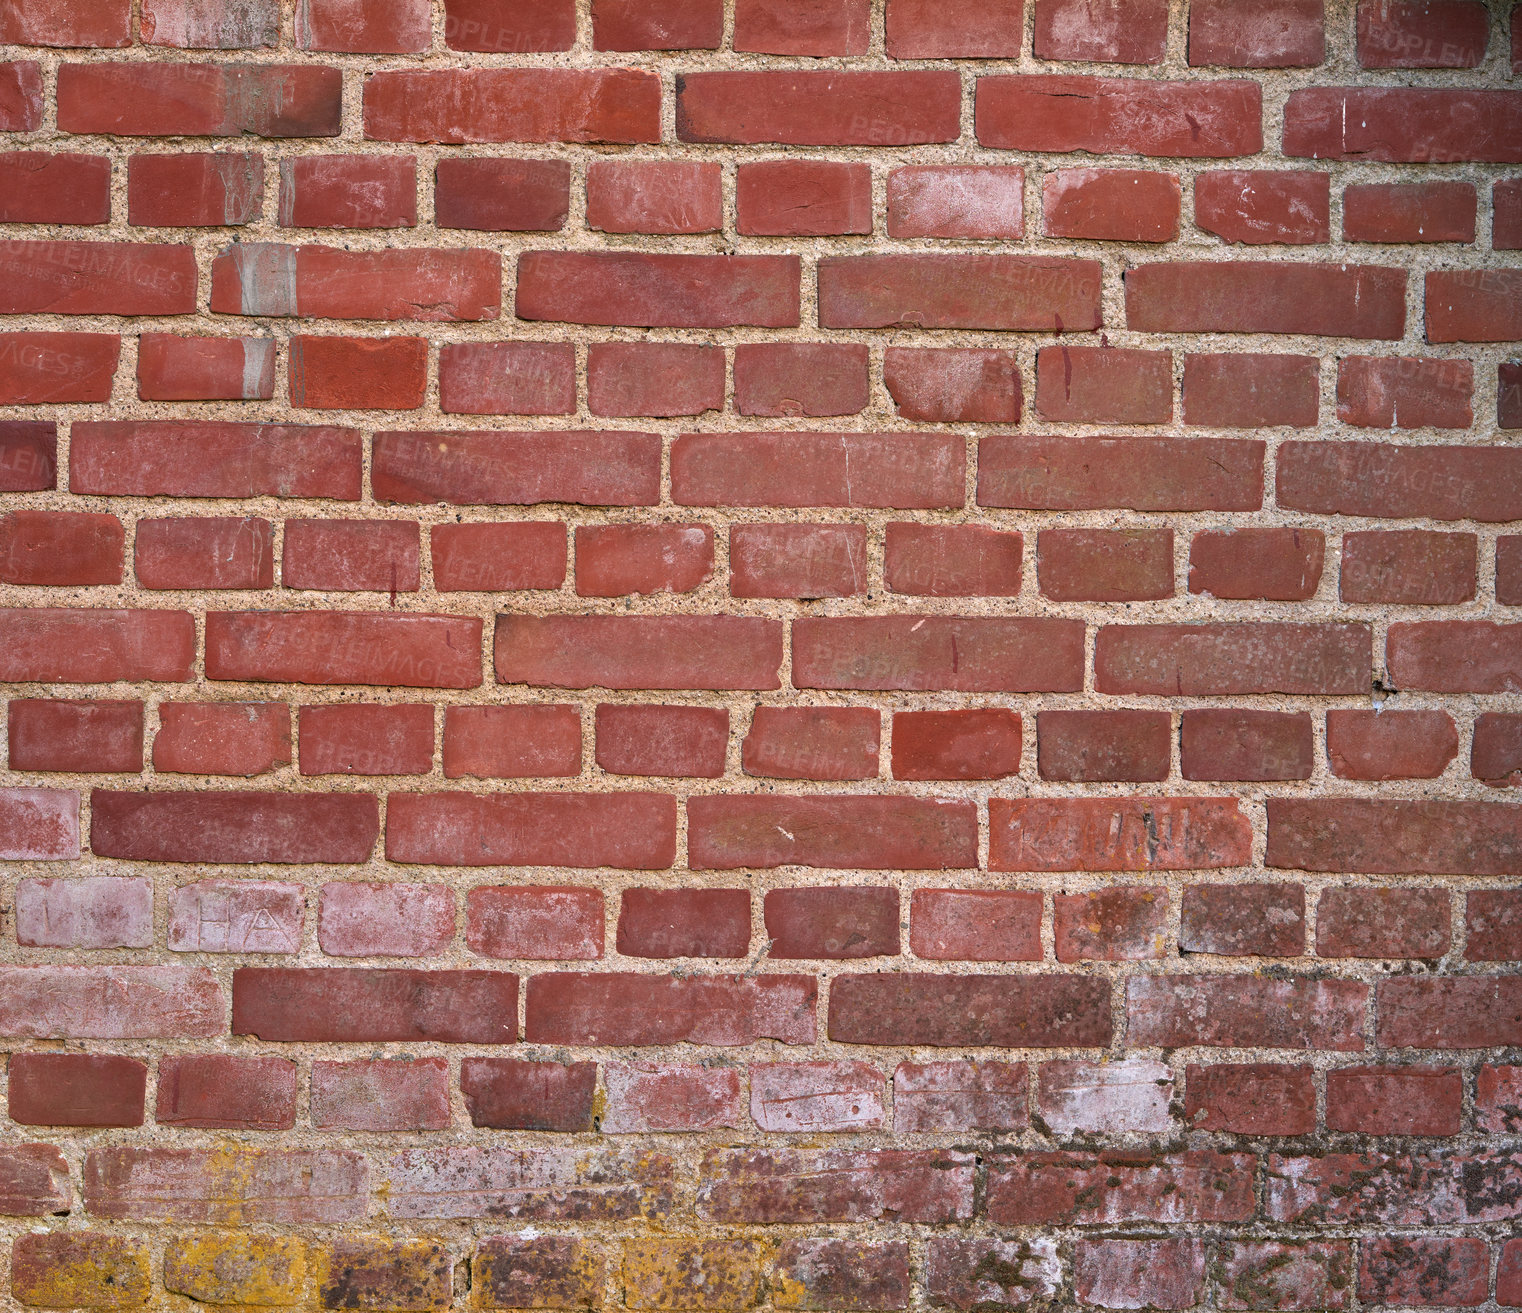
x=698, y=654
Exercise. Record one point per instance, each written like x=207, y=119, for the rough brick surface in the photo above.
x=705, y=655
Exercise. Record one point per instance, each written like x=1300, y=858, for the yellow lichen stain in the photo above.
x=89, y=1272
x=231, y=1267
x=693, y=1274
x=789, y=1292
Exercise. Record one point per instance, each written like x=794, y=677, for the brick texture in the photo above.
x=837, y=656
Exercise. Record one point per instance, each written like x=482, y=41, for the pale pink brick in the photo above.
x=236, y=916
x=960, y=1096
x=388, y=1094
x=38, y=824
x=653, y=1096
x=1139, y=1273
x=1110, y=1098
x=538, y=923
x=385, y=920
x=93, y=911
x=816, y=1096
x=110, y=1002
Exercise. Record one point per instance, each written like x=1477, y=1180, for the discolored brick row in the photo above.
x=767, y=1187
x=1060, y=1188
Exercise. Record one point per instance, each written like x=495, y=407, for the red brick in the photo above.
x=344, y=647
x=965, y=1011
x=1436, y=34
x=729, y=832
x=507, y=1094
x=842, y=1273
x=656, y=290
x=767, y=1187
x=625, y=1009
x=632, y=831
x=1395, y=1100
x=499, y=468
x=1090, y=385
x=1299, y=1012
x=1496, y=756
x=1509, y=570
x=662, y=740
x=44, y=368
x=684, y=923
x=1117, y=205
x=1455, y=657
x=393, y=919
x=663, y=379
x=953, y=384
x=49, y=23
x=959, y=1096
x=1250, y=391
x=75, y=1089
x=351, y=555
x=950, y=200
x=1088, y=746
x=1411, y=125
x=20, y=95
x=172, y=99
x=148, y=458
x=1438, y=481
x=1430, y=1271
x=375, y=1272
x=905, y=471
x=403, y=27
x=534, y=922
x=654, y=196
x=1107, y=32
x=960, y=560
x=1001, y=292
x=110, y=1002
x=42, y=188
x=396, y=1094
x=777, y=560
x=1474, y=306
x=232, y=25
x=802, y=27
x=49, y=735
x=1395, y=837
x=198, y=190
x=1472, y=1012
x=502, y=195
x=924, y=29
x=1260, y=206
x=369, y=1005
x=1274, y=564
x=1390, y=745
x=354, y=373
x=65, y=548
x=989, y=1272
x=97, y=278
x=491, y=27
x=1250, y=1098
x=218, y=1091
x=342, y=191
x=507, y=378
x=75, y=1269
x=1408, y=212
x=1409, y=567
x=838, y=922
x=222, y=738
x=512, y=742
x=1254, y=34
x=28, y=456
x=657, y=24
x=1498, y=1109
x=1111, y=925
x=69, y=645
x=1105, y=565
x=1408, y=392
x=812, y=743
x=236, y=916
x=952, y=653
x=974, y=744
x=1115, y=116
x=984, y=925
x=1243, y=920
x=638, y=652
x=226, y=1185
x=816, y=1096
x=1163, y=1274
x=617, y=560
x=644, y=1096
x=329, y=282
x=1144, y=474
x=803, y=198
x=175, y=368
x=1262, y=296
x=792, y=379
x=1233, y=743
x=1509, y=1263
x=1116, y=834
x=233, y=826
x=93, y=911
x=819, y=109
x=1066, y=1188
x=1233, y=659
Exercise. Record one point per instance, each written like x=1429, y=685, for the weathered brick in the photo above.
x=1211, y=659
x=1258, y=1098
x=90, y=911
x=1491, y=921
x=656, y=290
x=1386, y=744
x=236, y=1267
x=164, y=98
x=1105, y=565
x=1240, y=744
x=959, y=1096
x=509, y=1094
x=1111, y=925
x=1252, y=296
x=819, y=109
x=770, y=1186
x=1299, y=1012
x=643, y=1096
x=538, y=922
x=1273, y=1275
x=1439, y=1271
x=1197, y=1185
x=1357, y=922
x=493, y=743
x=1135, y=746
x=233, y=826
x=977, y=925
x=970, y=1010
x=1163, y=1274
x=358, y=919
x=377, y=1272
x=1117, y=834
x=110, y=1002
x=236, y=916
x=1395, y=1100
x=381, y=1095
x=953, y=384
x=1393, y=837
x=221, y=1092
x=644, y=652
x=80, y=1269
x=537, y=1271
x=816, y=1097
x=1243, y=920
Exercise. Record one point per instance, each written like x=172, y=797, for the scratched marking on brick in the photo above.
x=1131, y=834
x=784, y=1185
x=93, y=912
x=34, y=1181
x=816, y=1096
x=128, y=1002
x=236, y=916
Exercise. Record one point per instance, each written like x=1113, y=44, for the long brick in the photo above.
x=778, y=1186
x=167, y=99
x=97, y=278
x=1393, y=1188
x=955, y=1011
x=233, y=826
x=110, y=1002
x=71, y=645
x=344, y=647
x=1205, y=659
x=656, y=290
x=1473, y=1012
x=1376, y=479
x=819, y=109
x=1418, y=125
x=1257, y=296
x=1246, y=1012
x=1064, y=1189
x=1123, y=834
x=1371, y=836
x=620, y=1009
